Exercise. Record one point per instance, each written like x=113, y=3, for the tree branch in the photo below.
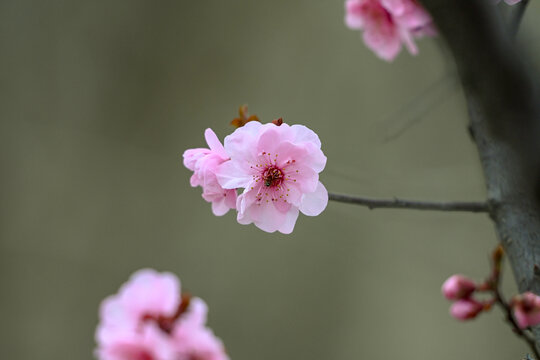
x=502, y=97
x=395, y=203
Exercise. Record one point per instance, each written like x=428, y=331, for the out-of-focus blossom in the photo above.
x=204, y=162
x=147, y=343
x=509, y=2
x=526, y=308
x=387, y=24
x=466, y=309
x=142, y=322
x=278, y=167
x=458, y=287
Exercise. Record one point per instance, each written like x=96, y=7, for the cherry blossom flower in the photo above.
x=278, y=167
x=466, y=309
x=387, y=24
x=194, y=341
x=526, y=309
x=148, y=343
x=143, y=322
x=458, y=287
x=204, y=162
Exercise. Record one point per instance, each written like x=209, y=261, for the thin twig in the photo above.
x=395, y=203
x=493, y=284
x=499, y=300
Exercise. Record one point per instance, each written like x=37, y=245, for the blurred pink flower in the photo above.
x=526, y=309
x=147, y=293
x=509, y=2
x=142, y=322
x=192, y=339
x=466, y=309
x=387, y=24
x=278, y=166
x=204, y=162
x=148, y=343
x=458, y=287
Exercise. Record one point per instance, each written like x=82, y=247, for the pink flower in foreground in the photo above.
x=387, y=24
x=142, y=321
x=204, y=162
x=526, y=309
x=278, y=166
x=458, y=287
x=466, y=309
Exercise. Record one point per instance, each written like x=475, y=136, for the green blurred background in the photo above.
x=99, y=99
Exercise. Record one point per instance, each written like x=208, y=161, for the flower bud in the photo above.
x=458, y=287
x=466, y=309
x=526, y=308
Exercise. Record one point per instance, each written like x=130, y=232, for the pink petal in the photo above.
x=234, y=174
x=266, y=217
x=196, y=313
x=314, y=203
x=214, y=143
x=303, y=134
x=241, y=144
x=287, y=226
x=386, y=45
x=191, y=156
x=151, y=292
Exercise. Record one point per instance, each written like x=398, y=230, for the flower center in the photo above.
x=272, y=176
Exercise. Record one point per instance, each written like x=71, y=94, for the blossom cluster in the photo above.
x=460, y=290
x=275, y=165
x=388, y=24
x=149, y=319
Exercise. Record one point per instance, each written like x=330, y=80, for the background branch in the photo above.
x=502, y=98
x=410, y=204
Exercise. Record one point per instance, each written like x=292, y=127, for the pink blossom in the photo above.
x=149, y=320
x=526, y=309
x=458, y=287
x=387, y=24
x=204, y=162
x=466, y=309
x=278, y=167
x=147, y=293
x=194, y=341
x=148, y=343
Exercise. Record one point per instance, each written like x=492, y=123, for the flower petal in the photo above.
x=314, y=203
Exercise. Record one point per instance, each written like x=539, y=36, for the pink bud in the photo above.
x=526, y=309
x=458, y=287
x=466, y=309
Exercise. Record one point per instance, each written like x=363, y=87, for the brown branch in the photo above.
x=502, y=97
x=395, y=203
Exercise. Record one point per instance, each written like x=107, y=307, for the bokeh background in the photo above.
x=99, y=99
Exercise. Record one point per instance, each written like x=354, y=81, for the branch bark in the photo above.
x=476, y=207
x=503, y=105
